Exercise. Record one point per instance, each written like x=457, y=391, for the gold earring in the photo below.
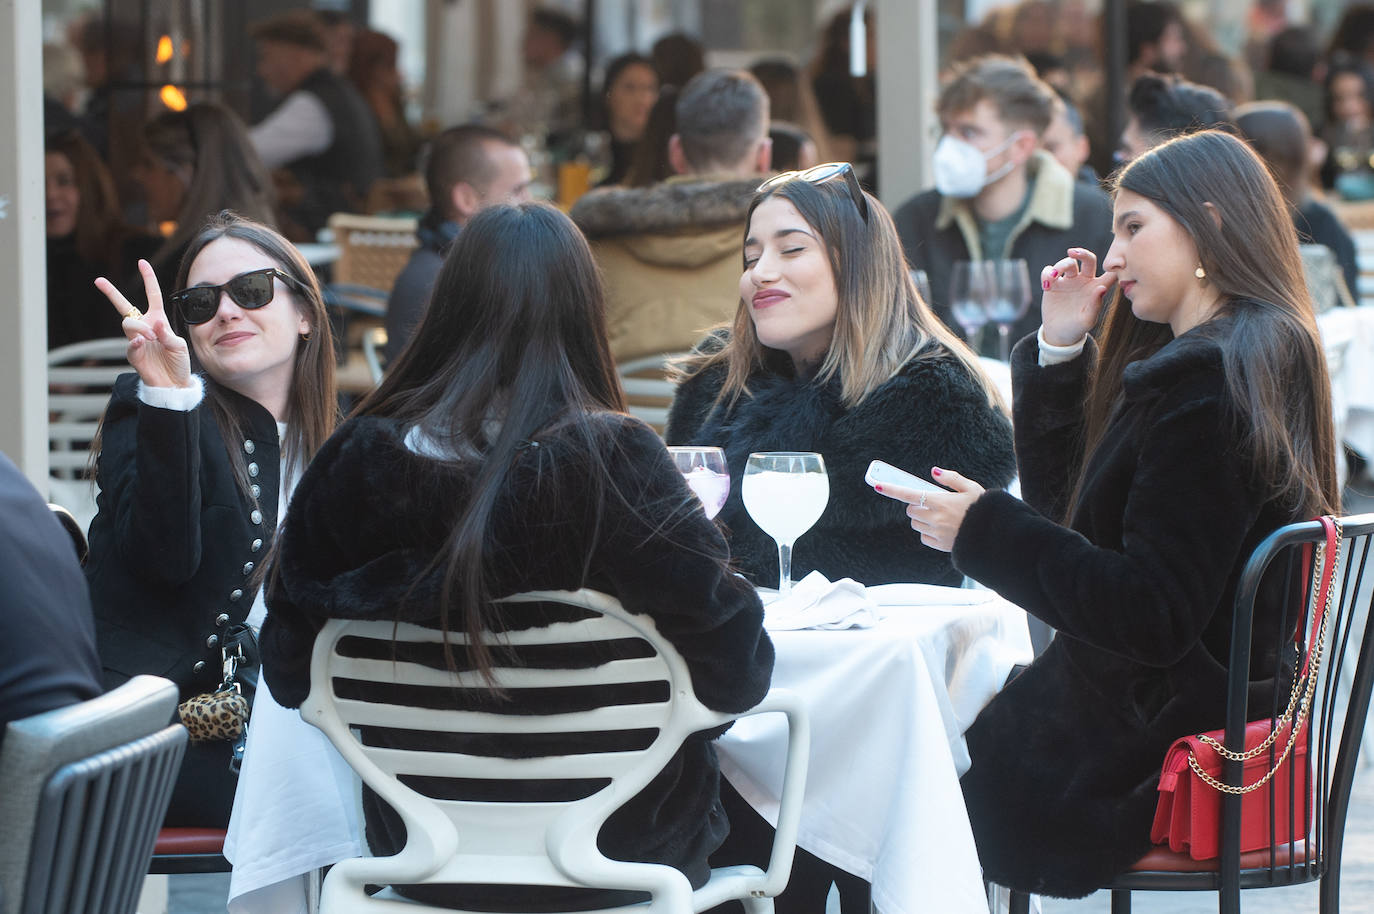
x=306, y=336
x=1200, y=273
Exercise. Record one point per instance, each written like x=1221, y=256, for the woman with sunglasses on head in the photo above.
x=832, y=350
x=233, y=392
x=1155, y=456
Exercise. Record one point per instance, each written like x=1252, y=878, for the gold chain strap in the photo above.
x=1300, y=697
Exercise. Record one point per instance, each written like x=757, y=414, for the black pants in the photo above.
x=751, y=841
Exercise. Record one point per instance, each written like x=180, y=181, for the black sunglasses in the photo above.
x=250, y=290
x=819, y=174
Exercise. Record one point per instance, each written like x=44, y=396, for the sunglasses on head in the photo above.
x=250, y=290
x=819, y=175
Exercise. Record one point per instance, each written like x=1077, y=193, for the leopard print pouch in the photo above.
x=220, y=715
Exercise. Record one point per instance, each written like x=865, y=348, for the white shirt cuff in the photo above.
x=182, y=399
x=1051, y=354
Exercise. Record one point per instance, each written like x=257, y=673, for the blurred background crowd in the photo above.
x=159, y=114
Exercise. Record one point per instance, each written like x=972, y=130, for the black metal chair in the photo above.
x=1310, y=851
x=85, y=789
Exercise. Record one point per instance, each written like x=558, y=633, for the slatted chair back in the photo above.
x=86, y=788
x=1310, y=848
x=648, y=391
x=472, y=813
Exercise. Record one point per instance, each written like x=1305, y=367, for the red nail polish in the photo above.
x=935, y=471
x=1054, y=273
x=877, y=488
x=1046, y=284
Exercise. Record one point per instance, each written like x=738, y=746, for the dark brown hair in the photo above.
x=1279, y=133
x=100, y=230
x=312, y=408
x=1022, y=99
x=1272, y=355
x=513, y=344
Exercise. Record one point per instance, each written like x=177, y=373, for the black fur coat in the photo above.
x=1140, y=586
x=932, y=413
x=370, y=514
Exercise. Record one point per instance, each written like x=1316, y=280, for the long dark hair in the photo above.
x=312, y=408
x=512, y=344
x=881, y=322
x=100, y=230
x=1274, y=363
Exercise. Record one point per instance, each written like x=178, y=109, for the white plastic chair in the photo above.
x=531, y=843
x=80, y=378
x=647, y=389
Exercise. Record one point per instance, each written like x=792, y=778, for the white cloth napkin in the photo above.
x=816, y=602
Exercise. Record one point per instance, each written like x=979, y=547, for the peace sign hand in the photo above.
x=1073, y=297
x=160, y=357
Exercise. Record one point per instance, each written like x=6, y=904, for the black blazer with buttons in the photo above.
x=175, y=540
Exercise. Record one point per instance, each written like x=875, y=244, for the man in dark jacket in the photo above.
x=322, y=131
x=469, y=168
x=997, y=195
x=47, y=636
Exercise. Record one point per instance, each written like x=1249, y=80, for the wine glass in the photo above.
x=922, y=282
x=1009, y=301
x=785, y=493
x=706, y=474
x=970, y=287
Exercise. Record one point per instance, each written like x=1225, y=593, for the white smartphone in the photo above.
x=880, y=473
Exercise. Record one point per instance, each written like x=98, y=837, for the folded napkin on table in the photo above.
x=816, y=602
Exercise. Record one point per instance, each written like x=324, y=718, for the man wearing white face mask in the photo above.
x=997, y=195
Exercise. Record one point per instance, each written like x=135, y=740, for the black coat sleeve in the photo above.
x=1188, y=511
x=663, y=557
x=1048, y=410
x=149, y=475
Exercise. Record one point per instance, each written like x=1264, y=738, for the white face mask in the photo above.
x=961, y=169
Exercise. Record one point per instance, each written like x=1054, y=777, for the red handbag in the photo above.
x=1188, y=817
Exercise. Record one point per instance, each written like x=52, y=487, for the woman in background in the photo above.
x=372, y=68
x=87, y=238
x=196, y=163
x=631, y=88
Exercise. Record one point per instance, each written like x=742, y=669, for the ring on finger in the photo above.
x=133, y=314
x=922, y=503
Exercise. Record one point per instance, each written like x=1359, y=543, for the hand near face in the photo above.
x=160, y=357
x=937, y=516
x=1073, y=297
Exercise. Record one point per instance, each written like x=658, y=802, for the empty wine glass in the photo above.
x=970, y=287
x=706, y=474
x=1009, y=301
x=785, y=493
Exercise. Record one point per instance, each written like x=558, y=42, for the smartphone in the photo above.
x=880, y=473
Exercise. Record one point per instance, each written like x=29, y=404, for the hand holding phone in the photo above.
x=880, y=473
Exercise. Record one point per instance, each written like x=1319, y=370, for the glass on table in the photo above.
x=1009, y=301
x=922, y=282
x=970, y=287
x=785, y=493
x=706, y=474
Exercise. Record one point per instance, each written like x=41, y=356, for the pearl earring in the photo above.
x=1200, y=273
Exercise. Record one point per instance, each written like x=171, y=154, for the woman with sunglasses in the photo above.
x=1155, y=455
x=832, y=350
x=232, y=395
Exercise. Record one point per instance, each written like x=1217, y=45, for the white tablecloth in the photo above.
x=1348, y=335
x=888, y=708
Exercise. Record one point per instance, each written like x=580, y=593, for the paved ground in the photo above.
x=207, y=894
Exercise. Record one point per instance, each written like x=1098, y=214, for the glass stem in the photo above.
x=1004, y=341
x=784, y=569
